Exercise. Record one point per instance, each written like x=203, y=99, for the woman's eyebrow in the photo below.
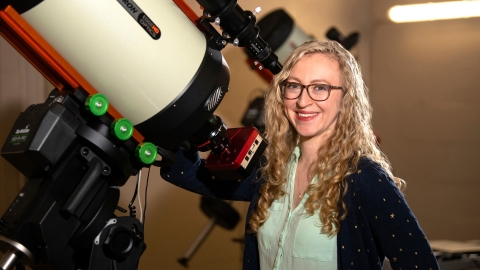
x=323, y=81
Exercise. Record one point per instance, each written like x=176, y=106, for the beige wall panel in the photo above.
x=426, y=99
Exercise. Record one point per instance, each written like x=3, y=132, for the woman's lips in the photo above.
x=305, y=115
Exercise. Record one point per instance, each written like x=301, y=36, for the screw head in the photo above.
x=146, y=152
x=122, y=128
x=97, y=104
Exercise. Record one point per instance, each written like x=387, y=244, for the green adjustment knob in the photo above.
x=122, y=128
x=97, y=104
x=146, y=152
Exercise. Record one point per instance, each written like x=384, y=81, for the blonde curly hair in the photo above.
x=352, y=139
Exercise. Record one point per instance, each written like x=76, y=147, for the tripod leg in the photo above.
x=9, y=259
x=198, y=241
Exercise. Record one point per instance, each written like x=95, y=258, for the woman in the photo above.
x=325, y=197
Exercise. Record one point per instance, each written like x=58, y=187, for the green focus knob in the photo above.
x=122, y=128
x=97, y=104
x=146, y=152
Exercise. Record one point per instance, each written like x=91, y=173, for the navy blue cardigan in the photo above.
x=379, y=222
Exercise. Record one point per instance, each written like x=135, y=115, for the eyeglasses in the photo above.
x=317, y=92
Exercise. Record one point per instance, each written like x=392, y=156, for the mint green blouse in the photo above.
x=291, y=238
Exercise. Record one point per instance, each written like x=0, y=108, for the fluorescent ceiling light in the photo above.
x=435, y=11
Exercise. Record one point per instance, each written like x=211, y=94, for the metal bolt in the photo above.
x=224, y=42
x=58, y=99
x=260, y=67
x=217, y=21
x=98, y=104
x=257, y=10
x=123, y=129
x=235, y=42
x=148, y=153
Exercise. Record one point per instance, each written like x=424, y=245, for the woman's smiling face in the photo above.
x=314, y=119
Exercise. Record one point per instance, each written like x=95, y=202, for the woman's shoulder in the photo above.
x=369, y=166
x=369, y=174
x=370, y=184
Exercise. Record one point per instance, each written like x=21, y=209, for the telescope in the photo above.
x=133, y=81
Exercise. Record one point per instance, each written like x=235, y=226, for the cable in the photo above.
x=132, y=207
x=139, y=179
x=145, y=200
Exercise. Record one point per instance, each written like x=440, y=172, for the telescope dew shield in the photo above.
x=164, y=84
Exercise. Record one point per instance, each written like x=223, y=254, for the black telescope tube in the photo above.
x=240, y=24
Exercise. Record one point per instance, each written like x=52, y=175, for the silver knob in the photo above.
x=257, y=10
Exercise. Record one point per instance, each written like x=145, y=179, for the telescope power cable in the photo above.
x=145, y=200
x=139, y=179
x=132, y=207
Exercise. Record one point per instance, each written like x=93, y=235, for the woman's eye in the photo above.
x=320, y=87
x=293, y=86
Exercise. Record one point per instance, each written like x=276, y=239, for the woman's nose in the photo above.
x=304, y=99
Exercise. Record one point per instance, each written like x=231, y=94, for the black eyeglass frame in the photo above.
x=329, y=87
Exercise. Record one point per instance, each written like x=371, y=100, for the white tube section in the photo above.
x=101, y=40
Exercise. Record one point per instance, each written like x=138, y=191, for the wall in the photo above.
x=425, y=93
